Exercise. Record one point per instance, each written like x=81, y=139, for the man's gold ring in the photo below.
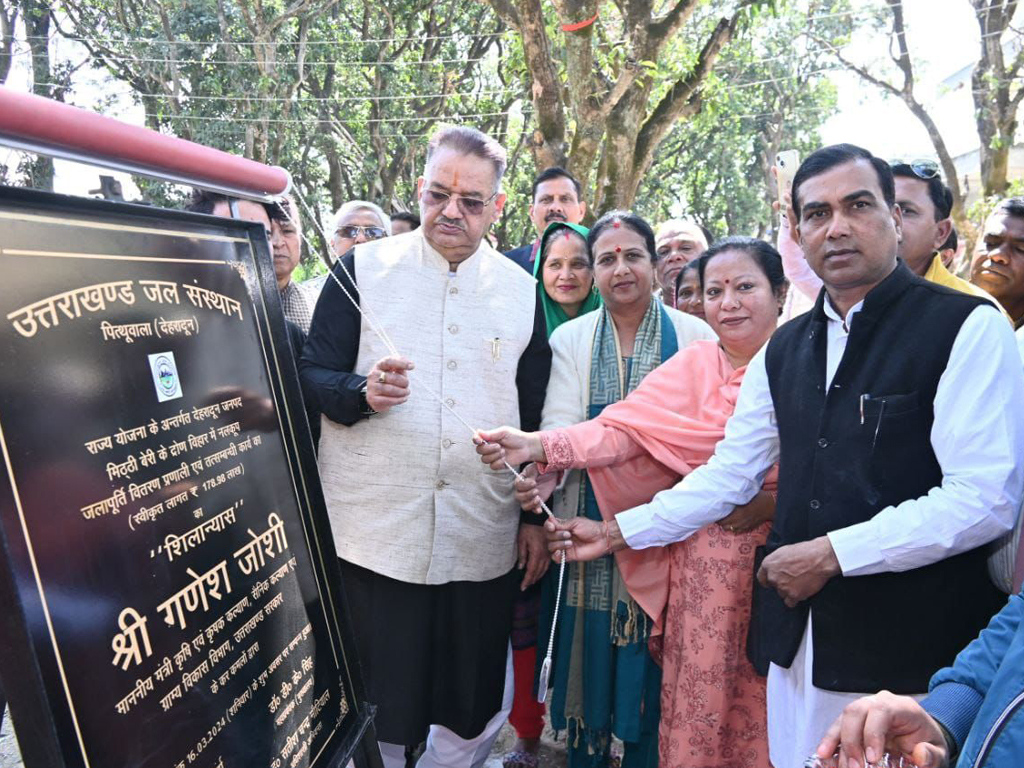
x=382, y=377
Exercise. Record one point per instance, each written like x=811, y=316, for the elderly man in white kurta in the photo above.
x=426, y=535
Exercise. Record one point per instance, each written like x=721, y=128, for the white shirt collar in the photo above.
x=833, y=315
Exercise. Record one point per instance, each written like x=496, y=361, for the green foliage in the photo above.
x=767, y=94
x=978, y=213
x=345, y=93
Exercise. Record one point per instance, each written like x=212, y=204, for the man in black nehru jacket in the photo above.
x=894, y=411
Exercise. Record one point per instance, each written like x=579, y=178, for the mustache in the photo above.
x=554, y=216
x=450, y=222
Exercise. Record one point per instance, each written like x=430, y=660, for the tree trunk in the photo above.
x=959, y=212
x=335, y=175
x=617, y=185
x=994, y=108
x=616, y=130
x=992, y=182
x=900, y=54
x=997, y=179
x=37, y=29
x=548, y=144
x=8, y=19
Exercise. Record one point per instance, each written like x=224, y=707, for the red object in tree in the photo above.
x=580, y=24
x=60, y=130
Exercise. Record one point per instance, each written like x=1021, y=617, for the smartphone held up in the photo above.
x=786, y=163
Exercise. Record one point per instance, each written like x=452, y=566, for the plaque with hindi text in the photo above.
x=170, y=586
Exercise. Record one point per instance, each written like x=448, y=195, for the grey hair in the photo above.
x=671, y=224
x=361, y=205
x=470, y=141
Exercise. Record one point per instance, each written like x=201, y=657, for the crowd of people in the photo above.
x=786, y=477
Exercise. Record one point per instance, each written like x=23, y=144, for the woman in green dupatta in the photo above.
x=604, y=681
x=565, y=284
x=565, y=276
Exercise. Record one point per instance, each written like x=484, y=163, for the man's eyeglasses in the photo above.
x=352, y=232
x=470, y=206
x=923, y=169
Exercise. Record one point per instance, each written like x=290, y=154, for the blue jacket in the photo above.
x=980, y=699
x=521, y=256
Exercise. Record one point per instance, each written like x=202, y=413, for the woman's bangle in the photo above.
x=607, y=537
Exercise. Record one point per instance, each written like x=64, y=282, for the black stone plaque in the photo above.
x=169, y=582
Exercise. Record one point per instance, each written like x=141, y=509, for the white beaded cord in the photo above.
x=378, y=329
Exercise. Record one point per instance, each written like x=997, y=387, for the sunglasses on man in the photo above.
x=923, y=169
x=351, y=232
x=470, y=206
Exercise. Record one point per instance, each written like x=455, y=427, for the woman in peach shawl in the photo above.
x=697, y=591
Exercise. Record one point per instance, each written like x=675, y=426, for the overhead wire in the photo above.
x=373, y=63
x=370, y=41
x=321, y=120
x=301, y=99
x=57, y=35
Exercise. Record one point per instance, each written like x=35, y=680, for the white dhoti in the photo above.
x=445, y=749
x=799, y=714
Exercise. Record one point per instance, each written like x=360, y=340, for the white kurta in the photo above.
x=978, y=439
x=406, y=493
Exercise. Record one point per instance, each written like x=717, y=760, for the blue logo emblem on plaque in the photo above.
x=165, y=376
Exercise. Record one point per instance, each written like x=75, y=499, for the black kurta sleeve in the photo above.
x=330, y=352
x=533, y=372
x=296, y=340
x=532, y=383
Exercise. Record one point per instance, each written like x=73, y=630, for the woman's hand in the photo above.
x=534, y=488
x=749, y=516
x=508, y=444
x=582, y=539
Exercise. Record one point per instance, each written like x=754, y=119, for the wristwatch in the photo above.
x=364, y=407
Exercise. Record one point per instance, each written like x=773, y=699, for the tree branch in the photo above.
x=906, y=95
x=899, y=32
x=1018, y=61
x=506, y=11
x=665, y=26
x=527, y=17
x=859, y=70
x=684, y=95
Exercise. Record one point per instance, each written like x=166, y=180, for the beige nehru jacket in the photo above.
x=406, y=492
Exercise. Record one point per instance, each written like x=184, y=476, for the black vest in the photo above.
x=842, y=460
